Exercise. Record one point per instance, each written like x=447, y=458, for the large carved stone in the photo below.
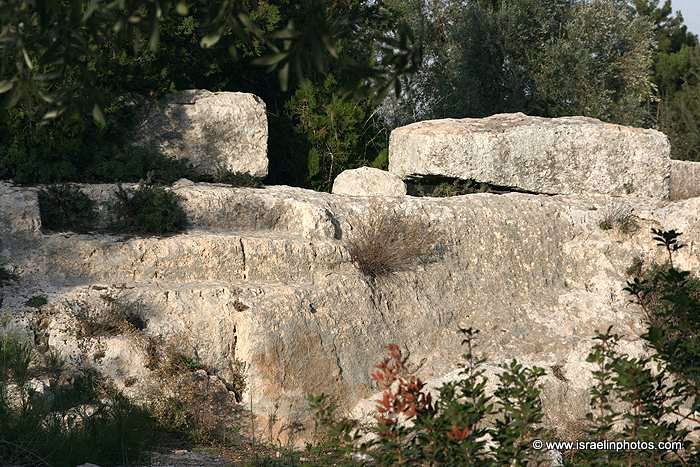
x=212, y=131
x=685, y=179
x=567, y=155
x=264, y=276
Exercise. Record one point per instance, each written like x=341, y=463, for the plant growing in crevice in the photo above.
x=236, y=179
x=384, y=243
x=37, y=301
x=66, y=208
x=150, y=210
x=620, y=217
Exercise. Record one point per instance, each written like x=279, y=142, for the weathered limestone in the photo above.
x=368, y=181
x=685, y=179
x=570, y=155
x=212, y=131
x=535, y=274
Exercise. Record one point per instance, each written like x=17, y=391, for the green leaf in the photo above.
x=210, y=40
x=6, y=86
x=50, y=115
x=29, y=63
x=155, y=38
x=98, y=116
x=182, y=9
x=269, y=60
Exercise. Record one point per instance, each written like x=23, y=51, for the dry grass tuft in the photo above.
x=621, y=217
x=384, y=243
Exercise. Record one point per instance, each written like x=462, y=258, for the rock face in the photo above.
x=570, y=155
x=685, y=179
x=213, y=131
x=368, y=181
x=264, y=276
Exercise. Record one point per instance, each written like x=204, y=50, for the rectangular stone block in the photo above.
x=213, y=131
x=570, y=155
x=685, y=179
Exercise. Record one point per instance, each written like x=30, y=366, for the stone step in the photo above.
x=193, y=256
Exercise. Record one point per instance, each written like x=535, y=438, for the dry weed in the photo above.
x=384, y=243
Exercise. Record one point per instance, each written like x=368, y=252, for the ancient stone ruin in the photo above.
x=264, y=276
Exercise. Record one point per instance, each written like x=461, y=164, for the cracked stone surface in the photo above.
x=211, y=130
x=264, y=276
x=569, y=155
x=685, y=179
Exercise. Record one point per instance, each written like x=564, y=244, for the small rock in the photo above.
x=368, y=181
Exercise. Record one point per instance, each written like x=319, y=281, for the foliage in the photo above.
x=670, y=299
x=66, y=207
x=441, y=187
x=342, y=131
x=639, y=399
x=46, y=50
x=37, y=301
x=236, y=179
x=386, y=243
x=148, y=210
x=71, y=423
x=541, y=57
x=187, y=401
x=412, y=428
x=676, y=75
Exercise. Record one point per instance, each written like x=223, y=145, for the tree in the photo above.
x=544, y=57
x=676, y=75
x=92, y=63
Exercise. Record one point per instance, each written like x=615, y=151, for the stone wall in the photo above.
x=264, y=276
x=685, y=179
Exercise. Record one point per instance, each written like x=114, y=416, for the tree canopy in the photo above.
x=72, y=72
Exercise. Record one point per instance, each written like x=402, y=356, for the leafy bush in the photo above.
x=66, y=207
x=37, y=301
x=148, y=210
x=670, y=299
x=342, y=131
x=85, y=420
x=385, y=243
x=414, y=429
x=639, y=399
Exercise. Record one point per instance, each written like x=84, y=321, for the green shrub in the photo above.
x=66, y=208
x=412, y=428
x=148, y=210
x=54, y=428
x=670, y=299
x=37, y=301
